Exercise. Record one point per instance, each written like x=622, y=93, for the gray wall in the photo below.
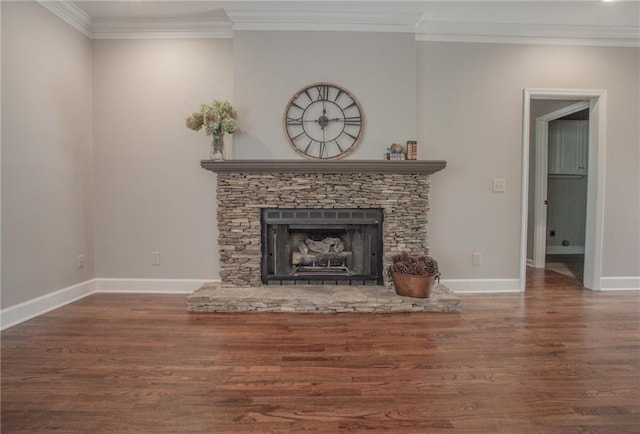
x=123, y=169
x=150, y=192
x=46, y=153
x=470, y=113
x=378, y=68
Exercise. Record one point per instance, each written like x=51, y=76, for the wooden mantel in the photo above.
x=423, y=167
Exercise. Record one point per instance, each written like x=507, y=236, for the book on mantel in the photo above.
x=412, y=150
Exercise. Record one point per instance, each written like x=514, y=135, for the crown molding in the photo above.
x=69, y=13
x=376, y=17
x=157, y=28
x=548, y=34
x=160, y=29
x=306, y=18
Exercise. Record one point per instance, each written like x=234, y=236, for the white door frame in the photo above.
x=542, y=155
x=595, y=182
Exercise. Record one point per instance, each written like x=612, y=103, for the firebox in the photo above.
x=322, y=246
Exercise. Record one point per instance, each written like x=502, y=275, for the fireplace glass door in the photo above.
x=322, y=246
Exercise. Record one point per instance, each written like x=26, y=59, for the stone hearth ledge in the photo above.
x=211, y=297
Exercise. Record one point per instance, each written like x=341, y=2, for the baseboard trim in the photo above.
x=151, y=286
x=631, y=283
x=485, y=286
x=27, y=310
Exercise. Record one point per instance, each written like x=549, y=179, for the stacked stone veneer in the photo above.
x=404, y=199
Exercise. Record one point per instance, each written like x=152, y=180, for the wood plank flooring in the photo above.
x=557, y=359
x=569, y=265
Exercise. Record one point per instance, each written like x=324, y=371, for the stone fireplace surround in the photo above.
x=245, y=187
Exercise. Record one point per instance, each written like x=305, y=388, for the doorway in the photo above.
x=559, y=175
x=533, y=206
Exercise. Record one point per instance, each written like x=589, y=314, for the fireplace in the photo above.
x=399, y=190
x=328, y=246
x=369, y=209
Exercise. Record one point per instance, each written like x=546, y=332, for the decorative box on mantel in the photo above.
x=245, y=187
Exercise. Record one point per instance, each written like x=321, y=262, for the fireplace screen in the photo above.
x=322, y=246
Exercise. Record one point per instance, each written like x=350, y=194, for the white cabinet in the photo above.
x=568, y=147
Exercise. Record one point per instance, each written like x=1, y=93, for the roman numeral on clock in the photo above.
x=353, y=120
x=353, y=104
x=350, y=135
x=323, y=150
x=323, y=92
x=294, y=121
x=306, y=150
x=296, y=137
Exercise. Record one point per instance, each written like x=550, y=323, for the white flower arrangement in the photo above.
x=217, y=118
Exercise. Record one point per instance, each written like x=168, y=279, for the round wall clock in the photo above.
x=323, y=121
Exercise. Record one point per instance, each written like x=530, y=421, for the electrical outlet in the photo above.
x=80, y=261
x=499, y=185
x=476, y=258
x=155, y=258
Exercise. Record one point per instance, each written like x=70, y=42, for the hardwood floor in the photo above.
x=556, y=359
x=569, y=265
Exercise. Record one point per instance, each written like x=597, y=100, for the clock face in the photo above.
x=323, y=121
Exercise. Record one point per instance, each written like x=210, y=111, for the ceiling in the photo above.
x=580, y=22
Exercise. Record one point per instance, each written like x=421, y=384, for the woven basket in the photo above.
x=413, y=286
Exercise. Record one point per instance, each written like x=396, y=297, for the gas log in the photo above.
x=329, y=244
x=298, y=258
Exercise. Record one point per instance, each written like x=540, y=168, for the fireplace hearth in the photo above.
x=322, y=246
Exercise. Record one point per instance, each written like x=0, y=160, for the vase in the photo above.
x=217, y=147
